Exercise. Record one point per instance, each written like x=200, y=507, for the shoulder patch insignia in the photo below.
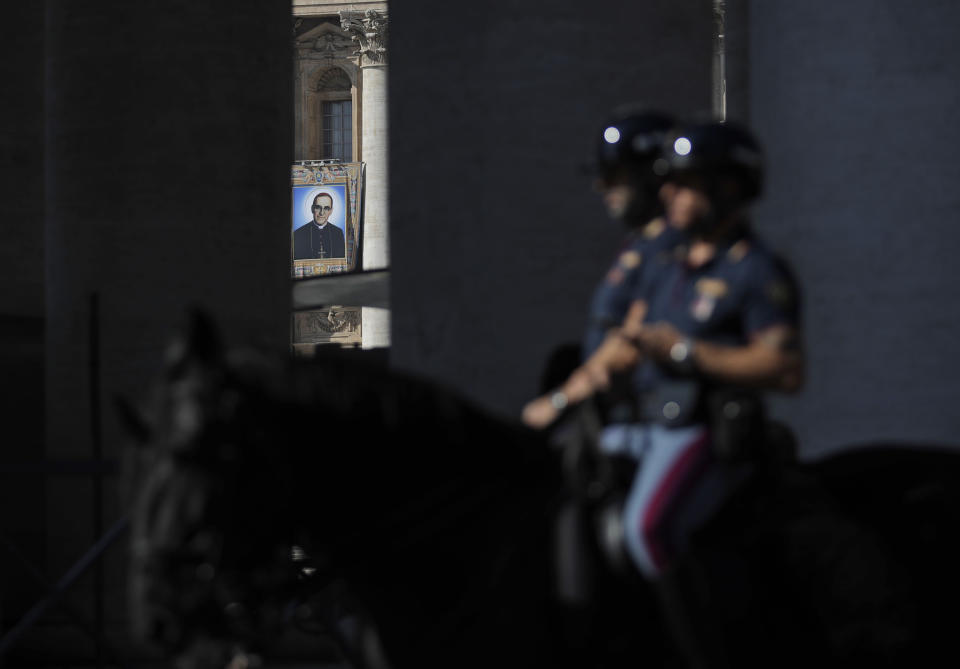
x=780, y=293
x=714, y=288
x=739, y=250
x=654, y=228
x=702, y=307
x=630, y=259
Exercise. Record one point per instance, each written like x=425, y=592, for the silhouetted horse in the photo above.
x=417, y=530
x=409, y=508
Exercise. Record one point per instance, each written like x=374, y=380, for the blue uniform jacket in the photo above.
x=744, y=289
x=612, y=297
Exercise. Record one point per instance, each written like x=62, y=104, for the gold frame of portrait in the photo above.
x=350, y=177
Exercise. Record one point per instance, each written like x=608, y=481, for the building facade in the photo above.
x=340, y=114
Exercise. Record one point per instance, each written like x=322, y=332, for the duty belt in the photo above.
x=672, y=403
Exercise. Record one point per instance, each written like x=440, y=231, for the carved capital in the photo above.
x=369, y=30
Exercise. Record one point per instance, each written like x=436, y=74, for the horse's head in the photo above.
x=211, y=549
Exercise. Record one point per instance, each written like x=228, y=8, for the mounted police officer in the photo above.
x=716, y=311
x=628, y=145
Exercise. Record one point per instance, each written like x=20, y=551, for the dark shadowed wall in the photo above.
x=496, y=237
x=21, y=302
x=168, y=144
x=856, y=102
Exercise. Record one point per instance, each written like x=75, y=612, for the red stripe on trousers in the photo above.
x=668, y=490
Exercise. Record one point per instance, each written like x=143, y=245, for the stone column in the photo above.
x=369, y=30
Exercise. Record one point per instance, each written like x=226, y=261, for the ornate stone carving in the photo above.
x=325, y=325
x=369, y=30
x=332, y=45
x=327, y=42
x=334, y=79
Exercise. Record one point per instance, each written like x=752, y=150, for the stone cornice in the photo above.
x=334, y=7
x=369, y=30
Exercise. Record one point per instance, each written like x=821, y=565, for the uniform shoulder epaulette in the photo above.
x=739, y=251
x=654, y=228
x=630, y=259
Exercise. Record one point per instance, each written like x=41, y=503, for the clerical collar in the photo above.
x=321, y=227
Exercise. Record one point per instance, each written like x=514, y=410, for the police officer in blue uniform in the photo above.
x=719, y=310
x=628, y=143
x=628, y=146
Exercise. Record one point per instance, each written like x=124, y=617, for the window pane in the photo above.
x=337, y=120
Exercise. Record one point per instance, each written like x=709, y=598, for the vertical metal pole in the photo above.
x=719, y=60
x=96, y=441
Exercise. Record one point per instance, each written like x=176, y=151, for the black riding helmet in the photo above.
x=724, y=159
x=631, y=138
x=628, y=144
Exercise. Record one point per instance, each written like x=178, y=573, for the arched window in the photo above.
x=335, y=115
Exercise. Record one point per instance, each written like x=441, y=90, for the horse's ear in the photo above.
x=133, y=421
x=198, y=342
